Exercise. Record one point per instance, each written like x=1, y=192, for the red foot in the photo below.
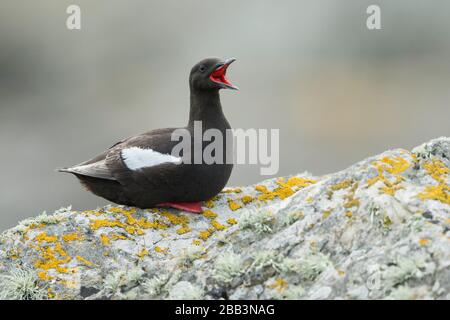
x=195, y=207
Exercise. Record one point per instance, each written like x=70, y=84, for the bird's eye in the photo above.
x=202, y=68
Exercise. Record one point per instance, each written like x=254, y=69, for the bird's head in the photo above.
x=209, y=74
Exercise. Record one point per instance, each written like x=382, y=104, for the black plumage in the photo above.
x=108, y=176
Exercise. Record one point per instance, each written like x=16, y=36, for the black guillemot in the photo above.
x=141, y=170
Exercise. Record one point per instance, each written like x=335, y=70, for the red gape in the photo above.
x=219, y=75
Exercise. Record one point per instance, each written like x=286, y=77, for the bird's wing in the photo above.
x=130, y=155
x=136, y=160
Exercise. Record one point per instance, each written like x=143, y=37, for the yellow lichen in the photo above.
x=183, y=230
x=232, y=190
x=105, y=239
x=437, y=169
x=209, y=214
x=279, y=284
x=349, y=214
x=246, y=199
x=142, y=253
x=204, y=235
x=217, y=225
x=196, y=242
x=261, y=188
x=344, y=184
x=233, y=205
x=84, y=261
x=351, y=203
x=116, y=236
x=231, y=221
x=161, y=250
x=50, y=293
x=326, y=214
x=341, y=273
x=60, y=250
x=209, y=203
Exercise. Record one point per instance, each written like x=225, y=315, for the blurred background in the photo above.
x=337, y=91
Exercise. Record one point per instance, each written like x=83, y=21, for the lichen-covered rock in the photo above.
x=377, y=230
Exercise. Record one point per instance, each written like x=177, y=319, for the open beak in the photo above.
x=218, y=75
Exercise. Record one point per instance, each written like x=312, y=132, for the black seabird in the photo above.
x=141, y=170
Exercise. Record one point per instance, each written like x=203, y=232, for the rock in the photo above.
x=377, y=230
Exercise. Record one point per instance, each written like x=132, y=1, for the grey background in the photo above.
x=337, y=91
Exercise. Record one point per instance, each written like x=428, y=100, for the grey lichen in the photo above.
x=261, y=221
x=308, y=266
x=185, y=290
x=21, y=284
x=227, y=267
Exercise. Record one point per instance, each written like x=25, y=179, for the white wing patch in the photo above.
x=136, y=158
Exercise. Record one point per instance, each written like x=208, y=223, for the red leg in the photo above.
x=195, y=207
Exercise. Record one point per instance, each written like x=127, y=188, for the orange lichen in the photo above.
x=132, y=225
x=43, y=237
x=44, y=276
x=285, y=189
x=176, y=219
x=441, y=192
x=393, y=166
x=209, y=214
x=233, y=205
x=423, y=242
x=74, y=236
x=97, y=224
x=49, y=259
